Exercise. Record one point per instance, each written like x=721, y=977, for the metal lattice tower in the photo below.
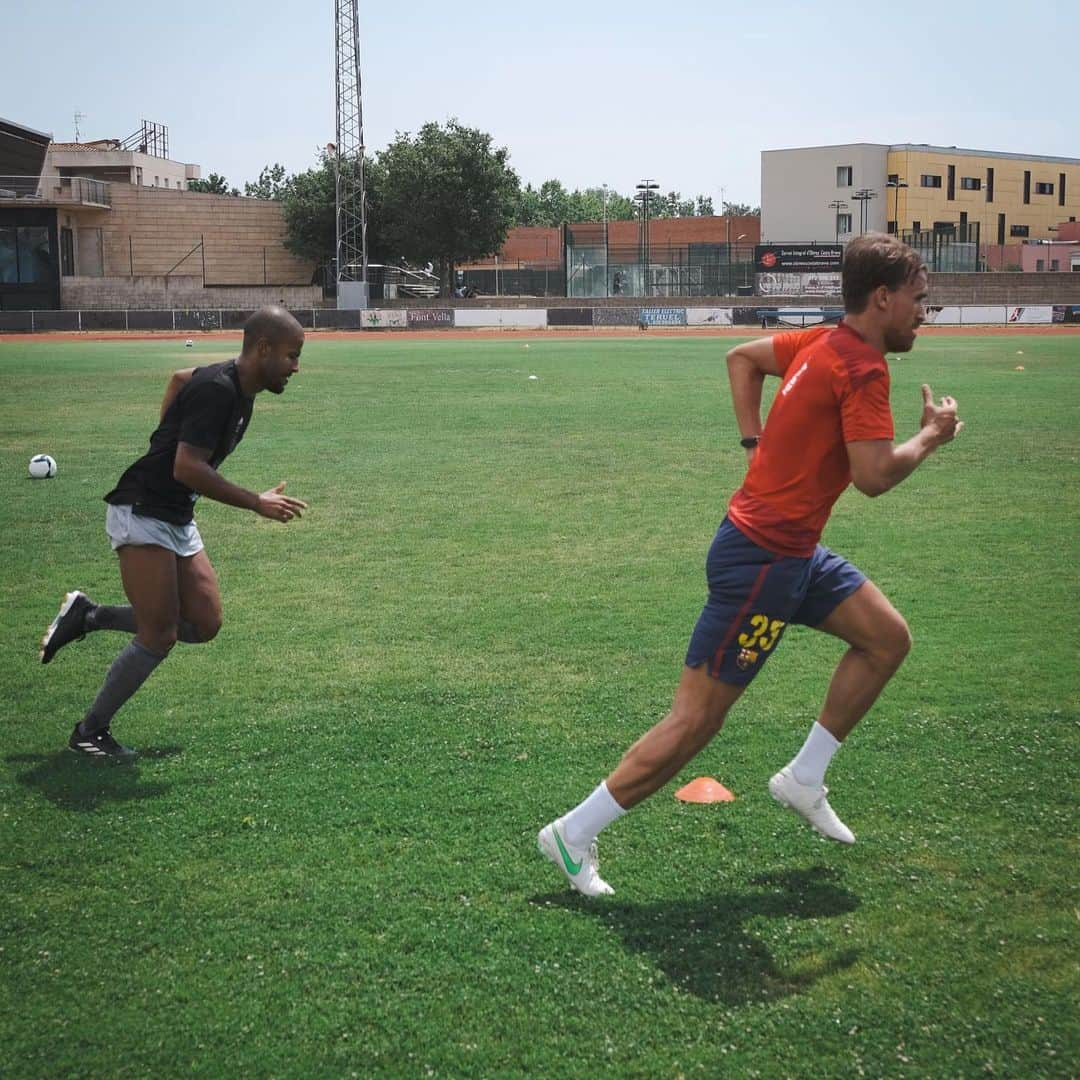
x=349, y=162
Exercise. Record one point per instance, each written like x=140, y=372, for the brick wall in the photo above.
x=149, y=230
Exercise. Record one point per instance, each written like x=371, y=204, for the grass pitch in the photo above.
x=324, y=863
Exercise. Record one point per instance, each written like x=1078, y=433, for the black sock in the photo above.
x=128, y=672
x=122, y=617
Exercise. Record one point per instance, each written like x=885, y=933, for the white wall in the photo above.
x=798, y=185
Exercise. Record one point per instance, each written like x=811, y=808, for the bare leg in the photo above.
x=701, y=703
x=151, y=582
x=879, y=640
x=200, y=598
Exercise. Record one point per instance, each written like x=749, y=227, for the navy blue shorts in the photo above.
x=754, y=594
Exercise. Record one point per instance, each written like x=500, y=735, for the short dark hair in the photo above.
x=273, y=323
x=872, y=260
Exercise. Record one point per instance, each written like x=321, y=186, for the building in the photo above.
x=111, y=224
x=958, y=201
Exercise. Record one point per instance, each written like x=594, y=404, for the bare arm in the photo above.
x=176, y=382
x=748, y=364
x=877, y=465
x=193, y=469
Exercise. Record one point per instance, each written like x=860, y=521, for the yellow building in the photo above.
x=1009, y=197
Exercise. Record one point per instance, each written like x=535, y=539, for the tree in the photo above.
x=309, y=207
x=448, y=195
x=270, y=185
x=704, y=206
x=214, y=184
x=738, y=209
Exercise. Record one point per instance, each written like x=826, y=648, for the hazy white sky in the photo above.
x=687, y=94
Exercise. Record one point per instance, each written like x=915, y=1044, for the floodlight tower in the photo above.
x=351, y=248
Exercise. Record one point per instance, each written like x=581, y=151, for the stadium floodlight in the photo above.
x=644, y=196
x=837, y=205
x=896, y=185
x=862, y=197
x=351, y=269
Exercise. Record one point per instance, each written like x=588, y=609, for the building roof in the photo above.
x=22, y=149
x=958, y=151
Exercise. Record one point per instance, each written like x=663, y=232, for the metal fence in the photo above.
x=595, y=267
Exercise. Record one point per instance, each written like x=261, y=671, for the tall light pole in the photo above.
x=896, y=185
x=645, y=190
x=351, y=212
x=607, y=273
x=837, y=205
x=862, y=197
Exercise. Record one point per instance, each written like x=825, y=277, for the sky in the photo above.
x=687, y=95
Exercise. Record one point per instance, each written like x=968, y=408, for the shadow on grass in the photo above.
x=72, y=782
x=704, y=946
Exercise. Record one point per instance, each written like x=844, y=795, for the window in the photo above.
x=1055, y=264
x=843, y=175
x=24, y=254
x=1018, y=230
x=843, y=223
x=1044, y=189
x=166, y=181
x=930, y=181
x=989, y=185
x=1061, y=189
x=916, y=227
x=67, y=252
x=1027, y=186
x=894, y=178
x=952, y=183
x=970, y=183
x=1040, y=264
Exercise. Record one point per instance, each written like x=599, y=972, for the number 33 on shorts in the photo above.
x=763, y=636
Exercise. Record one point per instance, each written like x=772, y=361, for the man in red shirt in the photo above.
x=830, y=425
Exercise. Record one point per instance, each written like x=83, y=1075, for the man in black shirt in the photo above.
x=167, y=576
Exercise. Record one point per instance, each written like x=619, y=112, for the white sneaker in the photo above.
x=578, y=864
x=810, y=803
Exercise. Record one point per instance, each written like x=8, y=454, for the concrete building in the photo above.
x=111, y=225
x=977, y=197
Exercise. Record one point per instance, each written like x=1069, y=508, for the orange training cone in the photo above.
x=704, y=790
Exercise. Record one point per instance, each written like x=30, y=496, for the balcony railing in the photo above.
x=78, y=190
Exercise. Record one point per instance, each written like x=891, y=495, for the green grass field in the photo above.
x=324, y=862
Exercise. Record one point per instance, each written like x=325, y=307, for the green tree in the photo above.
x=704, y=206
x=739, y=209
x=270, y=185
x=447, y=195
x=309, y=207
x=214, y=184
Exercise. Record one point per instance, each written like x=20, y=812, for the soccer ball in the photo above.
x=42, y=467
x=189, y=343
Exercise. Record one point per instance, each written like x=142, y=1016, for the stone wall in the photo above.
x=158, y=293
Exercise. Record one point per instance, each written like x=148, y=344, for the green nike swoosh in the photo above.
x=571, y=866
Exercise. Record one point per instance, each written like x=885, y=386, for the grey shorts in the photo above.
x=125, y=527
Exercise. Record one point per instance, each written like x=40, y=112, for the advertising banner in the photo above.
x=798, y=258
x=663, y=316
x=708, y=316
x=529, y=318
x=431, y=318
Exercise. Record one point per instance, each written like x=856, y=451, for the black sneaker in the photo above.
x=69, y=624
x=99, y=745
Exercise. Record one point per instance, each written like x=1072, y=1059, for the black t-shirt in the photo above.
x=210, y=412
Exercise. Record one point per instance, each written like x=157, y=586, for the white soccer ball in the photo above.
x=189, y=343
x=533, y=378
x=42, y=467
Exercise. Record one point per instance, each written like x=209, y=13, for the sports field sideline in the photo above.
x=324, y=862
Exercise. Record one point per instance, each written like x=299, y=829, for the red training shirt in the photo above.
x=835, y=391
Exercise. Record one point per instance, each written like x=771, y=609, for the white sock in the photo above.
x=580, y=826
x=809, y=764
